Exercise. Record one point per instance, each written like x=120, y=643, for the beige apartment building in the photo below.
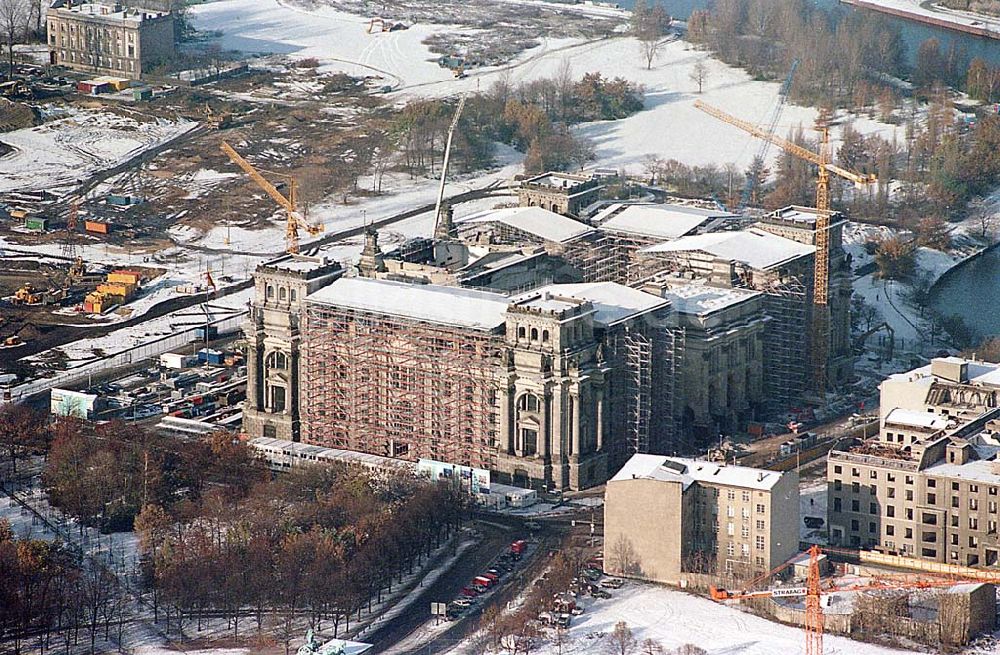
x=667, y=516
x=929, y=485
x=108, y=39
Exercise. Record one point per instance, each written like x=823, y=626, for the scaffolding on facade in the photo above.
x=397, y=387
x=786, y=376
x=609, y=257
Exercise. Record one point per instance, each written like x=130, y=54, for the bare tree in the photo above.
x=699, y=74
x=13, y=16
x=649, y=26
x=986, y=217
x=621, y=641
x=690, y=649
x=623, y=556
x=651, y=647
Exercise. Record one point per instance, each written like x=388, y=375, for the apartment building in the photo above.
x=667, y=516
x=928, y=486
x=108, y=39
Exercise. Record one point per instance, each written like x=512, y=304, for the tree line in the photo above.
x=533, y=117
x=319, y=544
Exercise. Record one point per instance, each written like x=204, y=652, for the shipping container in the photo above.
x=36, y=223
x=96, y=227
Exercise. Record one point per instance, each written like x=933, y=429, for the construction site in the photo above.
x=284, y=235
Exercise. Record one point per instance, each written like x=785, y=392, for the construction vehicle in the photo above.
x=27, y=295
x=219, y=121
x=814, y=589
x=821, y=275
x=377, y=25
x=294, y=221
x=12, y=341
x=442, y=223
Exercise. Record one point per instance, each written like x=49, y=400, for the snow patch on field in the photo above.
x=58, y=154
x=673, y=618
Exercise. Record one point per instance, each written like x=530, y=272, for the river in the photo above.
x=972, y=291
x=913, y=33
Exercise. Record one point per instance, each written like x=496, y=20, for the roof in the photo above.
x=298, y=263
x=700, y=299
x=613, y=302
x=542, y=223
x=453, y=306
x=977, y=470
x=754, y=247
x=558, y=180
x=657, y=221
x=915, y=419
x=686, y=471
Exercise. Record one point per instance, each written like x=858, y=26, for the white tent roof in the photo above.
x=754, y=247
x=542, y=223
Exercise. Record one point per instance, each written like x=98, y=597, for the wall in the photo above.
x=644, y=529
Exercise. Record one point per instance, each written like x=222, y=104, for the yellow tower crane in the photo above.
x=295, y=220
x=821, y=275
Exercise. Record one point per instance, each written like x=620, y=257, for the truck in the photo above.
x=518, y=547
x=482, y=581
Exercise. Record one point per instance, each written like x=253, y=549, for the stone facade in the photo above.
x=274, y=342
x=563, y=193
x=108, y=39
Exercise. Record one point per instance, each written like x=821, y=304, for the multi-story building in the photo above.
x=667, y=516
x=929, y=485
x=108, y=39
x=273, y=334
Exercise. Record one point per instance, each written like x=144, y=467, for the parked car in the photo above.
x=469, y=592
x=597, y=592
x=612, y=583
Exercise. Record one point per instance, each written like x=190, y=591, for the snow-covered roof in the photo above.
x=542, y=223
x=977, y=470
x=699, y=298
x=979, y=372
x=455, y=306
x=754, y=247
x=687, y=471
x=655, y=220
x=915, y=419
x=612, y=302
x=298, y=263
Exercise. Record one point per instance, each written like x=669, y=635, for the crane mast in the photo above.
x=289, y=203
x=821, y=273
x=443, y=227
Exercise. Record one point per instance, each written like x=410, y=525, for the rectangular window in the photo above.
x=836, y=505
x=909, y=479
x=931, y=482
x=929, y=519
x=890, y=530
x=745, y=531
x=872, y=508
x=854, y=525
x=838, y=469
x=974, y=504
x=855, y=472
x=837, y=485
x=760, y=525
x=873, y=474
x=760, y=508
x=890, y=510
x=855, y=506
x=891, y=477
x=908, y=533
x=759, y=541
x=931, y=499
x=973, y=523
x=892, y=492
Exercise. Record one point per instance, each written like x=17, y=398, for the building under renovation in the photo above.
x=928, y=486
x=544, y=347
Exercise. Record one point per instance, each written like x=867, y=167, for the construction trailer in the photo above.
x=36, y=223
x=96, y=227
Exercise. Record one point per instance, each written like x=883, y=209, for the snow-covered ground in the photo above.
x=673, y=618
x=61, y=152
x=670, y=127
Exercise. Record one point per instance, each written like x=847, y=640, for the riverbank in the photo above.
x=930, y=14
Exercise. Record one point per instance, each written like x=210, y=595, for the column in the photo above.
x=576, y=427
x=506, y=430
x=599, y=423
x=543, y=432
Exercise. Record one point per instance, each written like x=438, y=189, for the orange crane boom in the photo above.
x=814, y=589
x=294, y=221
x=821, y=273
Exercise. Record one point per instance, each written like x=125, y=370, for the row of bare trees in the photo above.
x=319, y=544
x=49, y=601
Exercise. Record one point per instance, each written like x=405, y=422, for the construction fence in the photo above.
x=132, y=355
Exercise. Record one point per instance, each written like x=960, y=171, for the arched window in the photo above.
x=270, y=292
x=282, y=294
x=277, y=360
x=545, y=336
x=534, y=334
x=528, y=403
x=520, y=332
x=291, y=295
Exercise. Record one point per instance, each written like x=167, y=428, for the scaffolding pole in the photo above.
x=395, y=387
